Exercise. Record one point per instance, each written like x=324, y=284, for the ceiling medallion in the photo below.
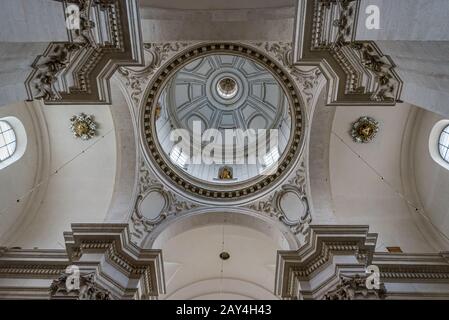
x=83, y=126
x=227, y=88
x=224, y=255
x=364, y=130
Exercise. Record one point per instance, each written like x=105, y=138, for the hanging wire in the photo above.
x=391, y=186
x=55, y=172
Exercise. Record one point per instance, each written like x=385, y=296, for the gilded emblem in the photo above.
x=83, y=126
x=364, y=130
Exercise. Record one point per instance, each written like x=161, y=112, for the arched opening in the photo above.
x=13, y=141
x=275, y=230
x=221, y=255
x=439, y=143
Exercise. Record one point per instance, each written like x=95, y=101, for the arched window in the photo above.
x=13, y=141
x=8, y=141
x=439, y=143
x=178, y=157
x=443, y=144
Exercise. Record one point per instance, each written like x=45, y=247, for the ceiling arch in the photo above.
x=193, y=267
x=272, y=228
x=222, y=289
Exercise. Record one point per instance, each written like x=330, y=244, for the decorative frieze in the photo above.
x=339, y=263
x=364, y=130
x=336, y=263
x=136, y=79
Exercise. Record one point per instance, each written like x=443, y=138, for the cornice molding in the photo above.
x=358, y=73
x=333, y=264
x=79, y=71
x=104, y=251
x=34, y=199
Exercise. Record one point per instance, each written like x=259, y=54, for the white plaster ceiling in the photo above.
x=17, y=179
x=431, y=179
x=81, y=190
x=368, y=182
x=60, y=179
x=193, y=269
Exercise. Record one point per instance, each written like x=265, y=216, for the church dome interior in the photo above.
x=223, y=92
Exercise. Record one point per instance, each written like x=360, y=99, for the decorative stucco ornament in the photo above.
x=83, y=126
x=364, y=130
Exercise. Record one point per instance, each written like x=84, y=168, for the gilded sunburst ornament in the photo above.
x=83, y=126
x=364, y=130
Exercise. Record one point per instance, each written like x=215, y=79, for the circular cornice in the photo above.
x=199, y=190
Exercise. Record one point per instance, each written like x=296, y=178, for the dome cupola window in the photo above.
x=227, y=88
